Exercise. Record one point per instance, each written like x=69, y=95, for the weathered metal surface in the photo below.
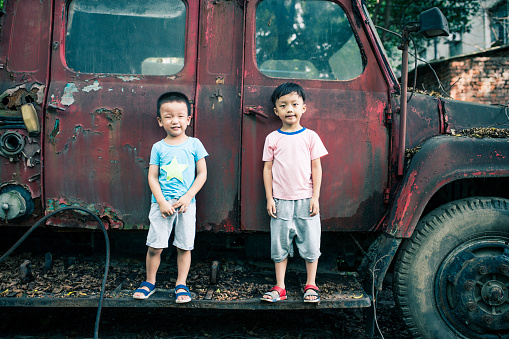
x=423, y=121
x=218, y=124
x=440, y=161
x=376, y=262
x=166, y=299
x=461, y=115
x=23, y=79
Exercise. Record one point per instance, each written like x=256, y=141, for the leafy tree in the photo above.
x=311, y=32
x=393, y=14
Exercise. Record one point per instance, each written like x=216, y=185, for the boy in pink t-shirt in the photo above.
x=292, y=176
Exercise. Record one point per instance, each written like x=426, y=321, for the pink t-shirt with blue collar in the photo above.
x=291, y=154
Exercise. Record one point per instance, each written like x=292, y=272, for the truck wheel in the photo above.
x=452, y=275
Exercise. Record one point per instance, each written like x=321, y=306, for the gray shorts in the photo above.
x=160, y=228
x=293, y=221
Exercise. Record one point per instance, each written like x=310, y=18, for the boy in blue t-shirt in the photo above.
x=171, y=177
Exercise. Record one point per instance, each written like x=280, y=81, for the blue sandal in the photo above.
x=187, y=293
x=146, y=294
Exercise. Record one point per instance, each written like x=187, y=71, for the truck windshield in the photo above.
x=126, y=37
x=306, y=39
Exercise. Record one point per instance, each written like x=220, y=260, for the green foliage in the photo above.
x=393, y=14
x=300, y=30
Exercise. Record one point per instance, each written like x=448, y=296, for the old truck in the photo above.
x=413, y=184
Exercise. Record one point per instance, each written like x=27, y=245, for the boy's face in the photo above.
x=174, y=118
x=289, y=108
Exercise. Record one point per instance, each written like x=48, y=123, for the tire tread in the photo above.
x=409, y=249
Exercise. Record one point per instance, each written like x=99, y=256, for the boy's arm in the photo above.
x=199, y=181
x=267, y=182
x=155, y=187
x=316, y=176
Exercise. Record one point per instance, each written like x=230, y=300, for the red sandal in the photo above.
x=276, y=293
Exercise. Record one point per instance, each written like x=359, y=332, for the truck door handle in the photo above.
x=55, y=107
x=255, y=111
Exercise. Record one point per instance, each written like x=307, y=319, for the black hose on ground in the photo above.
x=107, y=265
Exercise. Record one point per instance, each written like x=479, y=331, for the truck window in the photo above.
x=306, y=39
x=126, y=37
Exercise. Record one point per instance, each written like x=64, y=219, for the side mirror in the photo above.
x=433, y=23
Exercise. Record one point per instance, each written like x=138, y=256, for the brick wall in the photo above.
x=479, y=77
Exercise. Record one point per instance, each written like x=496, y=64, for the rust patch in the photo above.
x=13, y=98
x=82, y=220
x=111, y=114
x=78, y=130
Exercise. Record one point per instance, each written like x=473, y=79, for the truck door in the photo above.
x=111, y=60
x=321, y=46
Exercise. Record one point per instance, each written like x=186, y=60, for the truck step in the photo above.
x=215, y=285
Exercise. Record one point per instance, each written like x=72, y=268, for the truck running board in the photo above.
x=232, y=285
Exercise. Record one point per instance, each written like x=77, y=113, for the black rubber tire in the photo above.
x=436, y=236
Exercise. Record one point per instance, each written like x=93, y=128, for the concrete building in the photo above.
x=490, y=28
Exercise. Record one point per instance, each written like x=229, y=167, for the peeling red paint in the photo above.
x=406, y=193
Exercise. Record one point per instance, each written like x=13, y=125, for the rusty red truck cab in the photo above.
x=90, y=73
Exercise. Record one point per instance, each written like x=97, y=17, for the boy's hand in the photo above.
x=182, y=203
x=166, y=209
x=314, y=207
x=271, y=207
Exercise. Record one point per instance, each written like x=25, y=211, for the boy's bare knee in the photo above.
x=181, y=251
x=154, y=251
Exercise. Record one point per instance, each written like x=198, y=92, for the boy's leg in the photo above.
x=185, y=229
x=308, y=240
x=280, y=268
x=311, y=268
x=281, y=240
x=183, y=265
x=152, y=262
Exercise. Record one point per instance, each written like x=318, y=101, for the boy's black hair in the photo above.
x=287, y=88
x=172, y=97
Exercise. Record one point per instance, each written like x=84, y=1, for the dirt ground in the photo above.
x=80, y=277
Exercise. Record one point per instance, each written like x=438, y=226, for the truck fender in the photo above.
x=441, y=160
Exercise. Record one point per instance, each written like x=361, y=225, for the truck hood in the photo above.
x=430, y=116
x=462, y=115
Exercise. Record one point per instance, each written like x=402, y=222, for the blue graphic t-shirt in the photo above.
x=177, y=166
